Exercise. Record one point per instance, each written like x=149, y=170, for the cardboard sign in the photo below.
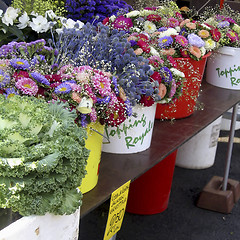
x=117, y=210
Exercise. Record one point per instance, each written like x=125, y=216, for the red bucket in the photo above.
x=149, y=194
x=184, y=106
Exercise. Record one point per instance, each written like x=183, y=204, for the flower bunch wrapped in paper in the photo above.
x=224, y=24
x=29, y=69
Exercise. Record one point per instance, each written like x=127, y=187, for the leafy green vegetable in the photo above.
x=42, y=157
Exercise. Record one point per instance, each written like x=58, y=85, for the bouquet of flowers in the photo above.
x=21, y=26
x=101, y=48
x=170, y=34
x=29, y=69
x=94, y=10
x=224, y=24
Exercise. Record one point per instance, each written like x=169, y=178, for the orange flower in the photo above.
x=184, y=22
x=138, y=51
x=195, y=51
x=169, y=52
x=203, y=34
x=162, y=90
x=191, y=25
x=76, y=97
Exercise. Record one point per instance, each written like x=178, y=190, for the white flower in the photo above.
x=203, y=50
x=24, y=20
x=205, y=26
x=168, y=32
x=177, y=72
x=69, y=23
x=39, y=24
x=1, y=12
x=149, y=27
x=210, y=44
x=80, y=24
x=34, y=14
x=50, y=14
x=112, y=18
x=178, y=29
x=133, y=14
x=154, y=52
x=10, y=15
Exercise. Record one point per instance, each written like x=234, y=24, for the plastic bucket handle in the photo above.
x=227, y=51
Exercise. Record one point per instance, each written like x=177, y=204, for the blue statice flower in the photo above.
x=95, y=11
x=101, y=48
x=4, y=79
x=40, y=78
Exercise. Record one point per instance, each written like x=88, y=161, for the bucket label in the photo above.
x=140, y=126
x=117, y=210
x=228, y=73
x=214, y=135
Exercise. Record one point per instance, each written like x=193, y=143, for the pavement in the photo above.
x=182, y=220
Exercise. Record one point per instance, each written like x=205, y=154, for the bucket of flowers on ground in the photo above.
x=223, y=68
x=43, y=159
x=186, y=41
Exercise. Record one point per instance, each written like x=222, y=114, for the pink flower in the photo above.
x=184, y=53
x=93, y=115
x=173, y=89
x=233, y=36
x=195, y=51
x=181, y=40
x=102, y=84
x=173, y=22
x=76, y=97
x=66, y=71
x=172, y=61
x=27, y=86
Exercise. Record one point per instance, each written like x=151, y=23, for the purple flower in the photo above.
x=133, y=43
x=162, y=29
x=115, y=85
x=104, y=100
x=166, y=74
x=40, y=78
x=195, y=40
x=10, y=92
x=4, y=79
x=63, y=89
x=165, y=41
x=223, y=24
x=19, y=63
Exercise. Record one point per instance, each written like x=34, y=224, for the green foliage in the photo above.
x=39, y=6
x=42, y=157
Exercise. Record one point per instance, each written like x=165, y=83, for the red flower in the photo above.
x=145, y=47
x=20, y=74
x=216, y=35
x=53, y=78
x=154, y=18
x=147, y=101
x=143, y=37
x=156, y=76
x=105, y=21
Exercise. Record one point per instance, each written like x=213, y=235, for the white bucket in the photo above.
x=223, y=68
x=134, y=135
x=226, y=120
x=199, y=152
x=47, y=227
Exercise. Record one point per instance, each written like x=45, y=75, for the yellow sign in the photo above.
x=116, y=211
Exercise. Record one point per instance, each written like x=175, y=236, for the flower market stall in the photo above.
x=96, y=76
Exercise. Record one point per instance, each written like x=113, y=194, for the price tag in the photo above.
x=116, y=211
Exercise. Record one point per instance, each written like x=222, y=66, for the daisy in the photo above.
x=63, y=88
x=165, y=41
x=27, y=86
x=40, y=78
x=19, y=63
x=149, y=27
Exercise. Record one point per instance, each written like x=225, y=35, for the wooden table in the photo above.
x=116, y=169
